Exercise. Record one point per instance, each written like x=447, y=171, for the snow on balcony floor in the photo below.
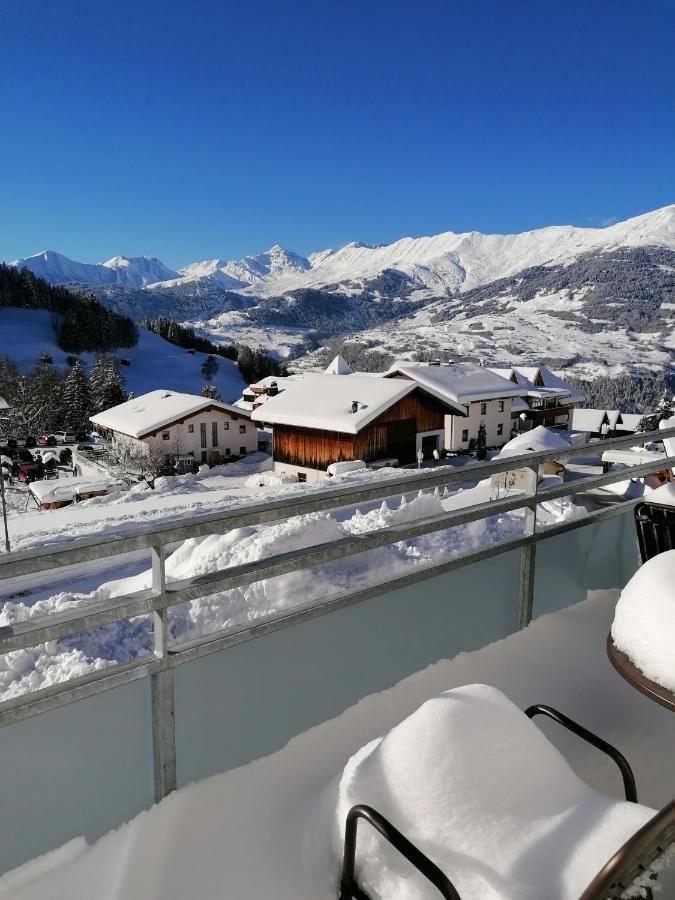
x=240, y=835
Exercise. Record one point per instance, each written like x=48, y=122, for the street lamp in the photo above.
x=4, y=405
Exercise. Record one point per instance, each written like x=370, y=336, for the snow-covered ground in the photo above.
x=244, y=834
x=519, y=332
x=226, y=486
x=154, y=362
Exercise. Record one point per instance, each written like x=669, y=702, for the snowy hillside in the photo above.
x=153, y=362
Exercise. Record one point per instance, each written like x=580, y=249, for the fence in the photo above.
x=519, y=568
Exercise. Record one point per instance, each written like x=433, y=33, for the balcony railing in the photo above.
x=163, y=596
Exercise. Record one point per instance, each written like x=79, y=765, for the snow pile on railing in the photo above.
x=29, y=669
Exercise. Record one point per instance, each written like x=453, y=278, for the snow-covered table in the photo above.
x=641, y=643
x=637, y=678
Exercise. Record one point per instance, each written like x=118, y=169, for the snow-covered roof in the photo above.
x=540, y=438
x=629, y=422
x=339, y=366
x=281, y=381
x=458, y=383
x=518, y=405
x=3, y=403
x=148, y=413
x=326, y=403
x=588, y=419
x=527, y=376
x=64, y=490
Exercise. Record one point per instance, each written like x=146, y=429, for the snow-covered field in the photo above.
x=243, y=834
x=227, y=486
x=154, y=362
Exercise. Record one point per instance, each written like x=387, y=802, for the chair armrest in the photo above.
x=629, y=787
x=349, y=890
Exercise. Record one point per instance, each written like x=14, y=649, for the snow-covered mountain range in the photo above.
x=447, y=261
x=419, y=291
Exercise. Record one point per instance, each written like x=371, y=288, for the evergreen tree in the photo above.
x=76, y=399
x=106, y=385
x=211, y=391
x=210, y=368
x=481, y=442
x=664, y=410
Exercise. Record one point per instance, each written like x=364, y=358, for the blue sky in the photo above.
x=204, y=129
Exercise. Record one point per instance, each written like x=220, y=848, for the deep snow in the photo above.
x=174, y=497
x=241, y=835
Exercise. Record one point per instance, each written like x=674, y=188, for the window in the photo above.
x=214, y=434
x=242, y=429
x=302, y=477
x=226, y=426
x=202, y=435
x=483, y=408
x=166, y=435
x=500, y=428
x=501, y=407
x=242, y=450
x=191, y=429
x=203, y=456
x=465, y=435
x=227, y=451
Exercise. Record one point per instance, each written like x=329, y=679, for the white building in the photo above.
x=485, y=397
x=179, y=426
x=547, y=399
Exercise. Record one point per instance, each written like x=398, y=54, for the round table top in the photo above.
x=638, y=679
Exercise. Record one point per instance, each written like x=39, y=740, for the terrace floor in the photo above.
x=240, y=835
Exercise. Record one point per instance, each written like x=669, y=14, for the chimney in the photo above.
x=355, y=406
x=273, y=389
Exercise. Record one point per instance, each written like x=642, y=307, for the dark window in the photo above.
x=191, y=429
x=202, y=434
x=465, y=435
x=166, y=435
x=203, y=456
x=214, y=434
x=242, y=450
x=242, y=429
x=501, y=406
x=500, y=428
x=226, y=426
x=483, y=409
x=302, y=476
x=227, y=451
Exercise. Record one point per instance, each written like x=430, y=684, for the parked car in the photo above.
x=83, y=436
x=65, y=437
x=13, y=444
x=28, y=471
x=46, y=440
x=30, y=442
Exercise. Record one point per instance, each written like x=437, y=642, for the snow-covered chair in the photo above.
x=471, y=793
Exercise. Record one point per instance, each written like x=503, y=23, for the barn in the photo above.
x=326, y=419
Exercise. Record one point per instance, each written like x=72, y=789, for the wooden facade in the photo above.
x=392, y=434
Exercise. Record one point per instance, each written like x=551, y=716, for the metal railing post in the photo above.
x=161, y=689
x=528, y=553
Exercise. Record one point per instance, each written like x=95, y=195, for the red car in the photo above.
x=27, y=471
x=46, y=440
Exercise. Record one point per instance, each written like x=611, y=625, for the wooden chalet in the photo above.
x=326, y=419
